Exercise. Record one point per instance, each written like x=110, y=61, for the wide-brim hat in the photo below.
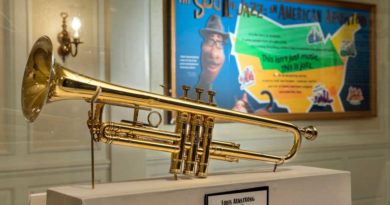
x=214, y=25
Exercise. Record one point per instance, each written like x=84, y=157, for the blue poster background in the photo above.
x=189, y=41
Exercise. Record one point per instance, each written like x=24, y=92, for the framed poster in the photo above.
x=303, y=59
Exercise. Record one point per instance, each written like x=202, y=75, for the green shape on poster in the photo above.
x=287, y=49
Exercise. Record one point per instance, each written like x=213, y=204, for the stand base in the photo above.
x=295, y=185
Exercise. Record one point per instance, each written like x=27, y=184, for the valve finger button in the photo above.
x=199, y=92
x=185, y=88
x=211, y=97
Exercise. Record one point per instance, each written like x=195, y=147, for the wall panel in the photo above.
x=6, y=196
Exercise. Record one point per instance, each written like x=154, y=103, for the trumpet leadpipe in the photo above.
x=225, y=144
x=126, y=130
x=234, y=153
x=139, y=143
x=224, y=158
x=117, y=133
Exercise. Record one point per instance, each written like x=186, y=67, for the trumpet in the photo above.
x=190, y=144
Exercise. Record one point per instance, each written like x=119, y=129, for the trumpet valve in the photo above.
x=202, y=170
x=175, y=166
x=309, y=132
x=194, y=138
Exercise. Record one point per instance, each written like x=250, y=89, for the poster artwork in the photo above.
x=276, y=57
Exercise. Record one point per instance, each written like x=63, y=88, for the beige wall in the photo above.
x=2, y=57
x=61, y=125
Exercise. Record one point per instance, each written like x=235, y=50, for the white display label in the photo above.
x=243, y=197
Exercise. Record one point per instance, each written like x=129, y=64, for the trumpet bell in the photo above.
x=37, y=77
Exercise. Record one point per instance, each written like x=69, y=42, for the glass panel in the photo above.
x=55, y=149
x=123, y=44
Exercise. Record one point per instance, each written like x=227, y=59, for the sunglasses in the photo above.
x=212, y=42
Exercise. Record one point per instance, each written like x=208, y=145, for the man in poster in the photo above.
x=213, y=59
x=212, y=53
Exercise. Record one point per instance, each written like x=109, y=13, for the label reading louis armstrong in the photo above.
x=253, y=196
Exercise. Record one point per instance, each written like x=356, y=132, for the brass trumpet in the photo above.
x=191, y=144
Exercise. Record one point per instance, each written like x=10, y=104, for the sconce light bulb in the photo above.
x=76, y=24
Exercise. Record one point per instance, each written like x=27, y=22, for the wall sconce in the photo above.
x=64, y=39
